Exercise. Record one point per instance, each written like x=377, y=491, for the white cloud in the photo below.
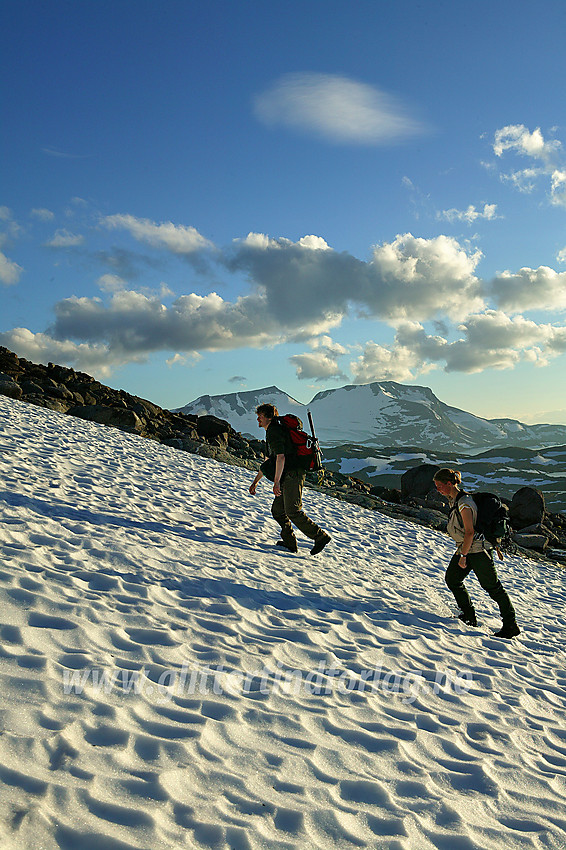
x=539, y=289
x=65, y=239
x=407, y=278
x=336, y=108
x=558, y=187
x=470, y=214
x=43, y=214
x=490, y=340
x=5, y=214
x=322, y=363
x=111, y=283
x=9, y=271
x=192, y=358
x=417, y=279
x=561, y=256
x=176, y=238
x=97, y=359
x=379, y=363
x=518, y=138
x=318, y=365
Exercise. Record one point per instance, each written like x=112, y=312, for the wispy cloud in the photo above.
x=177, y=238
x=470, y=215
x=65, y=239
x=547, y=154
x=42, y=214
x=59, y=154
x=336, y=108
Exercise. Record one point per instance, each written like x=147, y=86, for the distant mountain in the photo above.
x=240, y=407
x=381, y=414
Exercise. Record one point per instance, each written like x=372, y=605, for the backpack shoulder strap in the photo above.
x=454, y=508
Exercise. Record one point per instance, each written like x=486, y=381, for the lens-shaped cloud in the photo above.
x=338, y=109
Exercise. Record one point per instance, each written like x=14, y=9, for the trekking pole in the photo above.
x=318, y=453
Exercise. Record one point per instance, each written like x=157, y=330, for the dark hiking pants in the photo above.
x=482, y=564
x=288, y=508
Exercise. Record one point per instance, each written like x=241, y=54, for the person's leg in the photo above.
x=484, y=567
x=279, y=515
x=292, y=491
x=454, y=578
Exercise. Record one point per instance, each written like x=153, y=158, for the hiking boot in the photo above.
x=468, y=619
x=510, y=630
x=291, y=545
x=320, y=543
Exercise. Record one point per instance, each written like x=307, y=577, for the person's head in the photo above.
x=265, y=413
x=447, y=481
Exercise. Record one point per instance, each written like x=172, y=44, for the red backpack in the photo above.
x=306, y=446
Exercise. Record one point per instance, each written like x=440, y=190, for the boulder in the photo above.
x=9, y=387
x=418, y=481
x=213, y=429
x=527, y=508
x=117, y=417
x=388, y=494
x=531, y=541
x=30, y=387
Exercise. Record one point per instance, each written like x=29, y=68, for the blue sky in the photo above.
x=202, y=198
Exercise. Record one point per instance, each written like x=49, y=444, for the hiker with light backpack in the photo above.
x=289, y=456
x=476, y=533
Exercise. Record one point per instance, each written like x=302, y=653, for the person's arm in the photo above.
x=255, y=482
x=468, y=523
x=279, y=466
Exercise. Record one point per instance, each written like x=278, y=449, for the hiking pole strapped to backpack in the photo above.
x=317, y=452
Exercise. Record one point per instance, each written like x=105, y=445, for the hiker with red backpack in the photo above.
x=472, y=532
x=286, y=465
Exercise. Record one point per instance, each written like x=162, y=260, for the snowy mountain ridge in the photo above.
x=381, y=414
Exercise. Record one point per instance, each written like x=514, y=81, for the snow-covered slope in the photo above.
x=169, y=678
x=383, y=414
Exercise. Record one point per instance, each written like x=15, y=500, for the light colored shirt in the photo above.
x=455, y=526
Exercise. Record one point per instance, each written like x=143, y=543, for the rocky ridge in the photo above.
x=537, y=531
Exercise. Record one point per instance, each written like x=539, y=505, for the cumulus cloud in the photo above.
x=97, y=359
x=409, y=278
x=539, y=289
x=380, y=363
x=136, y=324
x=176, y=238
x=322, y=363
x=318, y=365
x=338, y=109
x=65, y=239
x=471, y=214
x=9, y=271
x=491, y=340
